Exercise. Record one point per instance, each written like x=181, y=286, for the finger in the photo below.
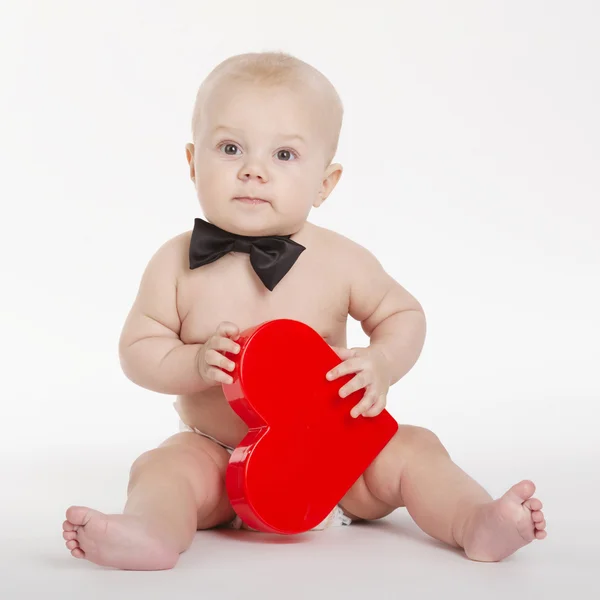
x=343, y=353
x=355, y=384
x=377, y=407
x=350, y=366
x=364, y=405
x=212, y=357
x=218, y=375
x=224, y=344
x=226, y=328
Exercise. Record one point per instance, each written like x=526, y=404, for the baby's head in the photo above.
x=265, y=125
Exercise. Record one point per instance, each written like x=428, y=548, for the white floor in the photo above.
x=388, y=559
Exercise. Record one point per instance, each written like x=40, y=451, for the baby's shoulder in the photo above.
x=340, y=247
x=173, y=255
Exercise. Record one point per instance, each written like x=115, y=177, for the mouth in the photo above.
x=251, y=200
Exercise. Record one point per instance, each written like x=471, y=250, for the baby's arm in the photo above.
x=392, y=318
x=150, y=350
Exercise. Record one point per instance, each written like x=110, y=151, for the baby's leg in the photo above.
x=173, y=490
x=416, y=471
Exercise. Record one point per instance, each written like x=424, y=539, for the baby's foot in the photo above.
x=121, y=541
x=497, y=529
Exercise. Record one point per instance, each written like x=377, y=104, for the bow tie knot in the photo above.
x=241, y=245
x=271, y=256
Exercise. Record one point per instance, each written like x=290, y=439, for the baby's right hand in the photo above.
x=210, y=359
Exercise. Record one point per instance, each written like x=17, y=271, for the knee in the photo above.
x=412, y=439
x=172, y=459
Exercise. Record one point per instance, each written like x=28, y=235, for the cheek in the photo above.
x=299, y=194
x=299, y=190
x=303, y=180
x=212, y=175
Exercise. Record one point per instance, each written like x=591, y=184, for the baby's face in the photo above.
x=268, y=143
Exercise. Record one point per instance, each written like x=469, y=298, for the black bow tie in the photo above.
x=271, y=256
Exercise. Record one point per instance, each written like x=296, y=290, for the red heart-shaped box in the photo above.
x=303, y=450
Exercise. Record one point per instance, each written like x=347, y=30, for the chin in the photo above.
x=250, y=225
x=246, y=221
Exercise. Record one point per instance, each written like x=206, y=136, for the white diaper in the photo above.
x=335, y=518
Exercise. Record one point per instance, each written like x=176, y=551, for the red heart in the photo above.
x=303, y=450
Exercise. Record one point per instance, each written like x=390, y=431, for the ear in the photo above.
x=332, y=176
x=189, y=154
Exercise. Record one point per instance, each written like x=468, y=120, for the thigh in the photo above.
x=203, y=463
x=377, y=492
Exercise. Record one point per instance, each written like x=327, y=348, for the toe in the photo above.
x=533, y=504
x=69, y=535
x=540, y=535
x=68, y=526
x=537, y=516
x=78, y=515
x=523, y=490
x=72, y=544
x=77, y=553
x=541, y=525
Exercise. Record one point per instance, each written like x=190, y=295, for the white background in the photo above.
x=471, y=153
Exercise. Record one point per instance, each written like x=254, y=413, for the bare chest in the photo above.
x=229, y=290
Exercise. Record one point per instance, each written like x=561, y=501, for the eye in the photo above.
x=229, y=148
x=286, y=155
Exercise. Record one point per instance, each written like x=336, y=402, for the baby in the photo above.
x=265, y=130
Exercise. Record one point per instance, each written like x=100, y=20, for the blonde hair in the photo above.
x=273, y=68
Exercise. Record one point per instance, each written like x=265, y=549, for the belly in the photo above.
x=210, y=413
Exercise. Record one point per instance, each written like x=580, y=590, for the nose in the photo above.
x=252, y=169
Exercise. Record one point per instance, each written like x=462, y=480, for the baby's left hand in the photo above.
x=373, y=374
